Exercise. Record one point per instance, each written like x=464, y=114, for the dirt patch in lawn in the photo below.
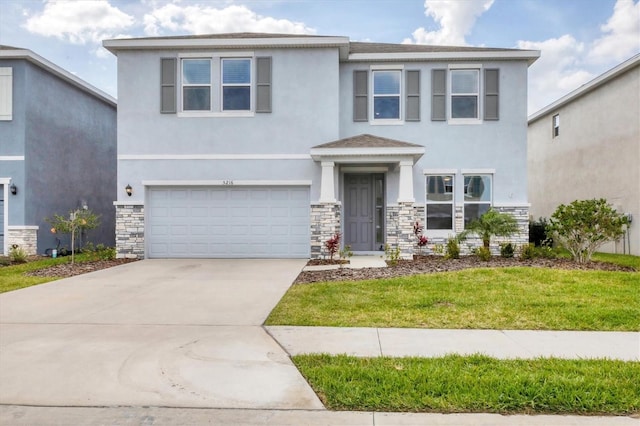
x=69, y=270
x=431, y=264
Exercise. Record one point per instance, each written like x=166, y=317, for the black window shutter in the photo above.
x=263, y=84
x=360, y=95
x=439, y=95
x=491, y=94
x=413, y=96
x=168, y=75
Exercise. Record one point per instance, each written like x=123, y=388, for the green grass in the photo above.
x=13, y=278
x=619, y=259
x=474, y=384
x=502, y=298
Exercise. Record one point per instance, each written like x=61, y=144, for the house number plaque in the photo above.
x=227, y=182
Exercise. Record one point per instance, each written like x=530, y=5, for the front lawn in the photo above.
x=515, y=298
x=476, y=383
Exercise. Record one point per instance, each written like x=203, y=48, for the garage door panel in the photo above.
x=228, y=222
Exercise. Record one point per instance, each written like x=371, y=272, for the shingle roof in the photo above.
x=361, y=47
x=367, y=141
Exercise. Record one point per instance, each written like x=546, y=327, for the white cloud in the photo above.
x=79, y=22
x=455, y=18
x=201, y=19
x=557, y=71
x=621, y=38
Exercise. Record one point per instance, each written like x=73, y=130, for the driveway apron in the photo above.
x=174, y=333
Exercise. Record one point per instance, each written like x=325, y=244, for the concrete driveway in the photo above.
x=174, y=333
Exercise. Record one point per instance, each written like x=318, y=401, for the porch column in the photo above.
x=405, y=190
x=327, y=188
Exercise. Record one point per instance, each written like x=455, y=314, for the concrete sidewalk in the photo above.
x=502, y=344
x=88, y=416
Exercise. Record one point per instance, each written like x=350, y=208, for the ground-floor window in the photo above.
x=439, y=208
x=477, y=196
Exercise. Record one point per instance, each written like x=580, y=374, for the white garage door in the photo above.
x=238, y=222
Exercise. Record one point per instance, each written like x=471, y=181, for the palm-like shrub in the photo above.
x=491, y=224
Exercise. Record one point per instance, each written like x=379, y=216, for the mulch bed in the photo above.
x=68, y=270
x=432, y=264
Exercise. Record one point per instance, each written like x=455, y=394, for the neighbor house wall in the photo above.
x=70, y=148
x=596, y=154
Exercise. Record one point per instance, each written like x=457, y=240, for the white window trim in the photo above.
x=252, y=65
x=440, y=233
x=464, y=121
x=386, y=121
x=182, y=84
x=215, y=57
x=477, y=172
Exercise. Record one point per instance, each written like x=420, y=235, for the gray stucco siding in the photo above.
x=305, y=109
x=70, y=149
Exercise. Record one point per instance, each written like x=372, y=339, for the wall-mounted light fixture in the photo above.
x=129, y=190
x=13, y=188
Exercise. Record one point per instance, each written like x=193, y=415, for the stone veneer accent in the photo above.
x=325, y=223
x=130, y=231
x=521, y=213
x=400, y=220
x=26, y=237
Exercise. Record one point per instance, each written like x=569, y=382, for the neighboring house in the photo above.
x=57, y=151
x=587, y=145
x=265, y=145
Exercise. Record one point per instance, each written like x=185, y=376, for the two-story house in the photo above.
x=265, y=145
x=587, y=145
x=57, y=151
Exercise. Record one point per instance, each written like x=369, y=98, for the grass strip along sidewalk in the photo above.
x=517, y=298
x=476, y=383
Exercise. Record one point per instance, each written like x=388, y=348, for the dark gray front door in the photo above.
x=359, y=207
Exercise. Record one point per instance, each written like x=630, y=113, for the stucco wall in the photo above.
x=305, y=113
x=70, y=149
x=596, y=154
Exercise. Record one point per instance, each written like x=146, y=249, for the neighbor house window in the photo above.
x=196, y=84
x=465, y=93
x=477, y=196
x=440, y=202
x=236, y=84
x=556, y=125
x=386, y=94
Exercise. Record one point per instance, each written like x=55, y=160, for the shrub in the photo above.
x=507, y=250
x=333, y=245
x=345, y=254
x=584, y=225
x=483, y=253
x=78, y=221
x=392, y=255
x=528, y=251
x=17, y=254
x=99, y=252
x=452, y=250
x=538, y=234
x=5, y=261
x=421, y=240
x=546, y=252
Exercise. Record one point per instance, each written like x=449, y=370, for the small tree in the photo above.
x=421, y=240
x=491, y=224
x=333, y=245
x=78, y=220
x=584, y=225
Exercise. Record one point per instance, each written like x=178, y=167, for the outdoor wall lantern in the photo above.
x=129, y=190
x=13, y=188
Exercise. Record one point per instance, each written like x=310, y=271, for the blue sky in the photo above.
x=579, y=39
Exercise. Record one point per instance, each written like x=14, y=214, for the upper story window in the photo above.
x=386, y=94
x=556, y=125
x=465, y=93
x=236, y=84
x=6, y=95
x=196, y=84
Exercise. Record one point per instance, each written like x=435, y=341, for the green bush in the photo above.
x=392, y=254
x=507, y=250
x=483, y=253
x=17, y=254
x=99, y=252
x=527, y=251
x=584, y=225
x=452, y=250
